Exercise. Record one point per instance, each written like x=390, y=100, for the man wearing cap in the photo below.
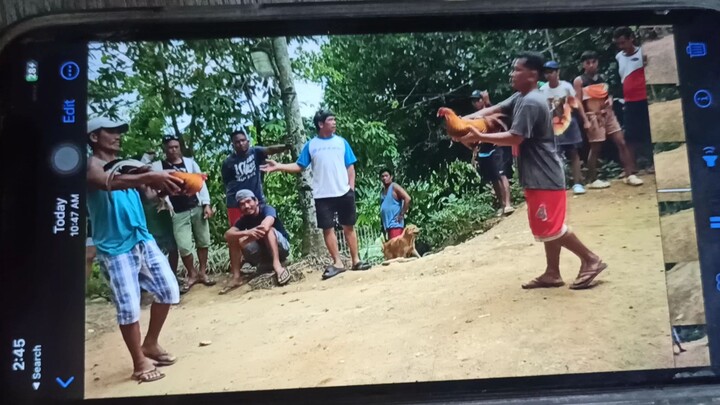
x=258, y=238
x=190, y=215
x=333, y=187
x=494, y=163
x=126, y=251
x=241, y=170
x=557, y=93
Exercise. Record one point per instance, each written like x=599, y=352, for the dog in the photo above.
x=402, y=246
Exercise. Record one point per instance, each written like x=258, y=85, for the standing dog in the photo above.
x=402, y=246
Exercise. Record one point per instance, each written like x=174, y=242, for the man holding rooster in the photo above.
x=541, y=172
x=494, y=164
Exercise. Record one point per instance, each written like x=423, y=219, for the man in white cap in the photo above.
x=128, y=255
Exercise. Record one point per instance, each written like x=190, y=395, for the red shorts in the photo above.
x=546, y=212
x=233, y=215
x=394, y=232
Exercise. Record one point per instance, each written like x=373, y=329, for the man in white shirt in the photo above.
x=557, y=92
x=333, y=186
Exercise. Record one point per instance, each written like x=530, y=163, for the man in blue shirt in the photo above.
x=333, y=187
x=128, y=255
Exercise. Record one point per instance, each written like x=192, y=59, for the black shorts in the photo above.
x=343, y=206
x=498, y=164
x=637, y=122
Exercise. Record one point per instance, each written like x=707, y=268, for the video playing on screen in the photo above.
x=336, y=210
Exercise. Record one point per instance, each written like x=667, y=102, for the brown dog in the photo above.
x=402, y=246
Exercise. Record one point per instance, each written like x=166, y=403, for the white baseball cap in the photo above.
x=106, y=123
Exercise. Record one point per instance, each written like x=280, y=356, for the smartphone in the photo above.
x=359, y=203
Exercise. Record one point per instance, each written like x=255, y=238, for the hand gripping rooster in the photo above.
x=459, y=127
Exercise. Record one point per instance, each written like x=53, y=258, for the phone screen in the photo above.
x=254, y=212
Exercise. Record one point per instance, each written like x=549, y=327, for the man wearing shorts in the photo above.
x=493, y=163
x=258, y=238
x=241, y=171
x=333, y=187
x=557, y=93
x=541, y=173
x=128, y=255
x=631, y=66
x=394, y=204
x=190, y=216
x=591, y=88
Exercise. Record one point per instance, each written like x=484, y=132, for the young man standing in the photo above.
x=128, y=255
x=191, y=215
x=241, y=170
x=541, y=173
x=494, y=163
x=258, y=238
x=394, y=204
x=557, y=92
x=591, y=88
x=631, y=66
x=333, y=186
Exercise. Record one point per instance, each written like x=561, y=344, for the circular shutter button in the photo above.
x=65, y=159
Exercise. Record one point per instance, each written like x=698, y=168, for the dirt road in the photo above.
x=456, y=314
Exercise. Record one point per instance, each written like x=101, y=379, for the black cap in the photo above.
x=476, y=95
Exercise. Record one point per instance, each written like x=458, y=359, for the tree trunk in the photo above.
x=312, y=238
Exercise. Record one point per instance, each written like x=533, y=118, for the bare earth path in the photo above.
x=453, y=315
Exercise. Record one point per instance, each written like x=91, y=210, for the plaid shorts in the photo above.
x=144, y=267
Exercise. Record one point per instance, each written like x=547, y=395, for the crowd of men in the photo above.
x=131, y=236
x=594, y=118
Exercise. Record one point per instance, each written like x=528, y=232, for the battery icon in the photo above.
x=31, y=71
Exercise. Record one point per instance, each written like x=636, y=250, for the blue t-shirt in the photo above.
x=243, y=172
x=251, y=221
x=330, y=158
x=118, y=225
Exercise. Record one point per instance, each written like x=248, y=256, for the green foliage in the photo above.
x=457, y=219
x=96, y=285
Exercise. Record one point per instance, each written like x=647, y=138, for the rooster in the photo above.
x=561, y=109
x=458, y=127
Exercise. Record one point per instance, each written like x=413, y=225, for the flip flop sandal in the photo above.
x=538, y=283
x=229, y=288
x=331, y=271
x=360, y=266
x=187, y=286
x=148, y=376
x=587, y=278
x=163, y=360
x=208, y=281
x=284, y=277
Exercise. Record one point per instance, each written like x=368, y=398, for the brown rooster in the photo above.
x=562, y=113
x=459, y=127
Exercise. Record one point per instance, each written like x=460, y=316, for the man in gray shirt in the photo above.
x=541, y=172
